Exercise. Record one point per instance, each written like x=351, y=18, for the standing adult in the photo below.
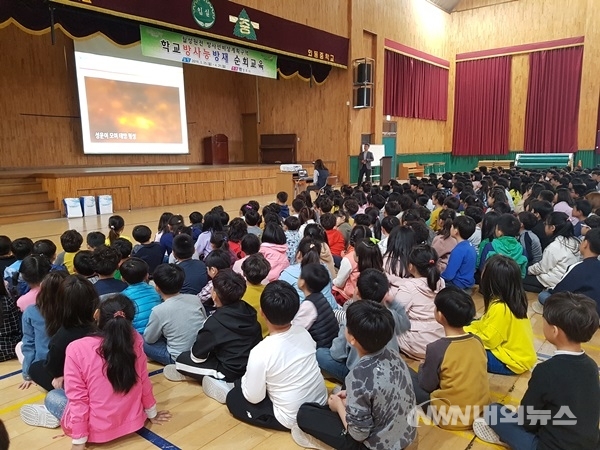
x=365, y=158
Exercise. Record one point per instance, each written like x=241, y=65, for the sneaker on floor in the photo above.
x=216, y=389
x=484, y=432
x=38, y=416
x=170, y=372
x=306, y=440
x=537, y=307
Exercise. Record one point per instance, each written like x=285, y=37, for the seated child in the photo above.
x=33, y=270
x=581, y=210
x=84, y=265
x=528, y=239
x=565, y=388
x=315, y=313
x=284, y=210
x=105, y=261
x=143, y=296
x=580, y=277
x=388, y=223
x=454, y=373
x=196, y=276
x=47, y=248
x=148, y=250
x=250, y=245
x=282, y=371
x=460, y=271
x=252, y=218
x=341, y=358
x=506, y=243
x=475, y=213
x=223, y=344
x=196, y=218
x=291, y=226
x=70, y=241
x=335, y=238
x=124, y=247
x=504, y=328
x=256, y=268
x=214, y=261
x=174, y=324
x=10, y=325
x=374, y=412
x=95, y=239
x=6, y=256
x=15, y=286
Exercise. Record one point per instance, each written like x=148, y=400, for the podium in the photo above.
x=216, y=149
x=386, y=170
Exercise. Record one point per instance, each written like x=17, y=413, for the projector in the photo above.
x=290, y=167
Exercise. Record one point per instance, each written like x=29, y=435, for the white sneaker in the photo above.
x=216, y=389
x=484, y=432
x=537, y=307
x=170, y=372
x=38, y=416
x=306, y=440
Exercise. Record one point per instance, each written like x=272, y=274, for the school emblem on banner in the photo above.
x=244, y=27
x=204, y=13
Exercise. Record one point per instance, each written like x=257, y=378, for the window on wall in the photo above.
x=414, y=88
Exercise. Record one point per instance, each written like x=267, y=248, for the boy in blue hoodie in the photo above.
x=506, y=243
x=135, y=273
x=460, y=271
x=284, y=210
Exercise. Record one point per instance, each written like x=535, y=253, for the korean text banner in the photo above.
x=204, y=52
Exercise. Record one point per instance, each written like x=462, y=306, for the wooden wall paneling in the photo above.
x=474, y=4
x=327, y=15
x=204, y=191
x=518, y=101
x=590, y=81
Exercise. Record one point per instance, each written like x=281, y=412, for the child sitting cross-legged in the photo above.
x=282, y=371
x=143, y=296
x=315, y=313
x=105, y=261
x=561, y=407
x=506, y=243
x=341, y=358
x=374, y=411
x=223, y=344
x=174, y=324
x=148, y=250
x=454, y=374
x=460, y=271
x=256, y=268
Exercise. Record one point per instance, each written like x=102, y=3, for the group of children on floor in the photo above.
x=262, y=308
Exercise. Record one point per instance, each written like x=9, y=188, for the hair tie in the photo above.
x=431, y=262
x=112, y=227
x=119, y=314
x=311, y=245
x=374, y=240
x=224, y=238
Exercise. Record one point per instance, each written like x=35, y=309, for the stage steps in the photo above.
x=22, y=199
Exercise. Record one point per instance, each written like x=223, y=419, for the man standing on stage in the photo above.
x=365, y=158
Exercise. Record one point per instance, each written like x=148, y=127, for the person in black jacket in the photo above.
x=223, y=344
x=561, y=407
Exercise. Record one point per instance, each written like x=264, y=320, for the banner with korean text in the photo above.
x=196, y=50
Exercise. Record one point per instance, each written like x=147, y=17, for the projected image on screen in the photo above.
x=129, y=104
x=124, y=111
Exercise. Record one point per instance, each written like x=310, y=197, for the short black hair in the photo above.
x=34, y=268
x=575, y=314
x=21, y=247
x=509, y=225
x=141, y=233
x=282, y=196
x=542, y=207
x=229, y=286
x=452, y=202
x=298, y=204
x=4, y=245
x=183, y=246
x=292, y=223
x=95, y=239
x=373, y=285
x=196, y=218
x=71, y=241
x=134, y=270
x=546, y=195
x=371, y=324
x=252, y=217
x=593, y=239
x=250, y=244
x=475, y=213
x=328, y=221
x=392, y=208
x=388, y=223
x=456, y=305
x=105, y=260
x=123, y=246
x=219, y=259
x=256, y=268
x=465, y=226
x=316, y=277
x=169, y=278
x=584, y=206
x=279, y=302
x=44, y=247
x=83, y=263
x=528, y=219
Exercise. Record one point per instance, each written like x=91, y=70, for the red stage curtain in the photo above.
x=414, y=88
x=482, y=106
x=552, y=115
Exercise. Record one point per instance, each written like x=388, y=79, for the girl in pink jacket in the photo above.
x=107, y=393
x=274, y=249
x=417, y=295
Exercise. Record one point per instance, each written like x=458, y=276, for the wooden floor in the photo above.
x=199, y=422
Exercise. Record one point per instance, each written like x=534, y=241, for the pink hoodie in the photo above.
x=277, y=257
x=94, y=410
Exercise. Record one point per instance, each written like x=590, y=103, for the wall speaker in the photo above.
x=364, y=73
x=363, y=97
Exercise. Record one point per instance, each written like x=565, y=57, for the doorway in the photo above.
x=250, y=138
